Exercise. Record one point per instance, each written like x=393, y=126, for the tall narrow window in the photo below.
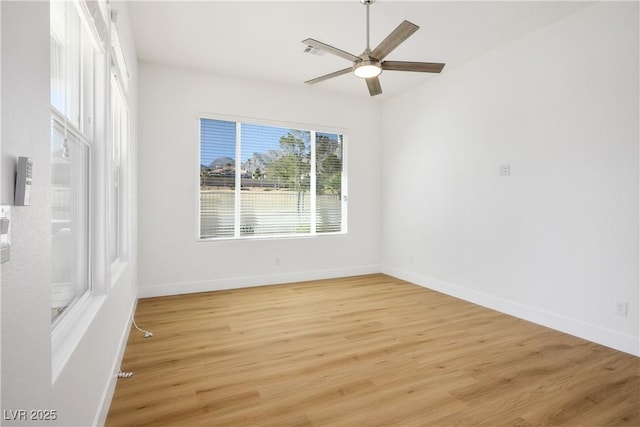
x=72, y=89
x=258, y=180
x=119, y=146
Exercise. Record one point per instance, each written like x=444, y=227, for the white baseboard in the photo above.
x=165, y=289
x=607, y=337
x=610, y=338
x=110, y=388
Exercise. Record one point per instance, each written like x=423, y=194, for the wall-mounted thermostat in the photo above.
x=23, y=181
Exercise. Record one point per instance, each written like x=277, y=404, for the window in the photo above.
x=258, y=180
x=119, y=141
x=73, y=50
x=69, y=218
x=119, y=146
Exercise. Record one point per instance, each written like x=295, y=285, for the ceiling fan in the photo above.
x=370, y=63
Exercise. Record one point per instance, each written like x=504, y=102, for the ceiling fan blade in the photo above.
x=331, y=49
x=328, y=76
x=374, y=86
x=421, y=67
x=393, y=40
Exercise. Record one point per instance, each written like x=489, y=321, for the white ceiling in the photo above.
x=262, y=39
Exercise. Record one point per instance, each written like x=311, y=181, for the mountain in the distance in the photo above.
x=256, y=161
x=221, y=163
x=261, y=160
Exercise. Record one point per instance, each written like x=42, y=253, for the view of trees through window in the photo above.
x=258, y=180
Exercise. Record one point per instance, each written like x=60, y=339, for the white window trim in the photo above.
x=275, y=123
x=71, y=326
x=119, y=77
x=63, y=122
x=118, y=59
x=119, y=265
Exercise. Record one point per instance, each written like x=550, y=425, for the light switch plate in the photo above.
x=5, y=253
x=5, y=233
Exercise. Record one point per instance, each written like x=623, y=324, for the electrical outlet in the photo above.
x=505, y=170
x=622, y=308
x=277, y=261
x=411, y=259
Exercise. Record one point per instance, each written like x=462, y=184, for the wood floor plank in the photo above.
x=362, y=351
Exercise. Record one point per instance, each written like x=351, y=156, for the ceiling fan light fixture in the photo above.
x=367, y=69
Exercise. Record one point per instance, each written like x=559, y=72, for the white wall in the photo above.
x=26, y=338
x=171, y=259
x=557, y=241
x=81, y=392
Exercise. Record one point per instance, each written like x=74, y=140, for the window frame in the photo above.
x=78, y=300
x=313, y=129
x=88, y=127
x=78, y=121
x=118, y=87
x=119, y=174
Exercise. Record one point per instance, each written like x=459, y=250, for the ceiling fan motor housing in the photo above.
x=367, y=68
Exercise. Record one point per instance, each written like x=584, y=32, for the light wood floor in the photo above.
x=362, y=351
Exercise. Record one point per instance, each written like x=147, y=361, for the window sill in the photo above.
x=67, y=334
x=271, y=237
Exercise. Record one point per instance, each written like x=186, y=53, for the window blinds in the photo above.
x=258, y=180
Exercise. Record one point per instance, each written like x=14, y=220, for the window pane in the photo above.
x=217, y=178
x=69, y=220
x=328, y=182
x=73, y=65
x=275, y=180
x=114, y=196
x=65, y=62
x=257, y=180
x=58, y=55
x=87, y=66
x=57, y=75
x=119, y=144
